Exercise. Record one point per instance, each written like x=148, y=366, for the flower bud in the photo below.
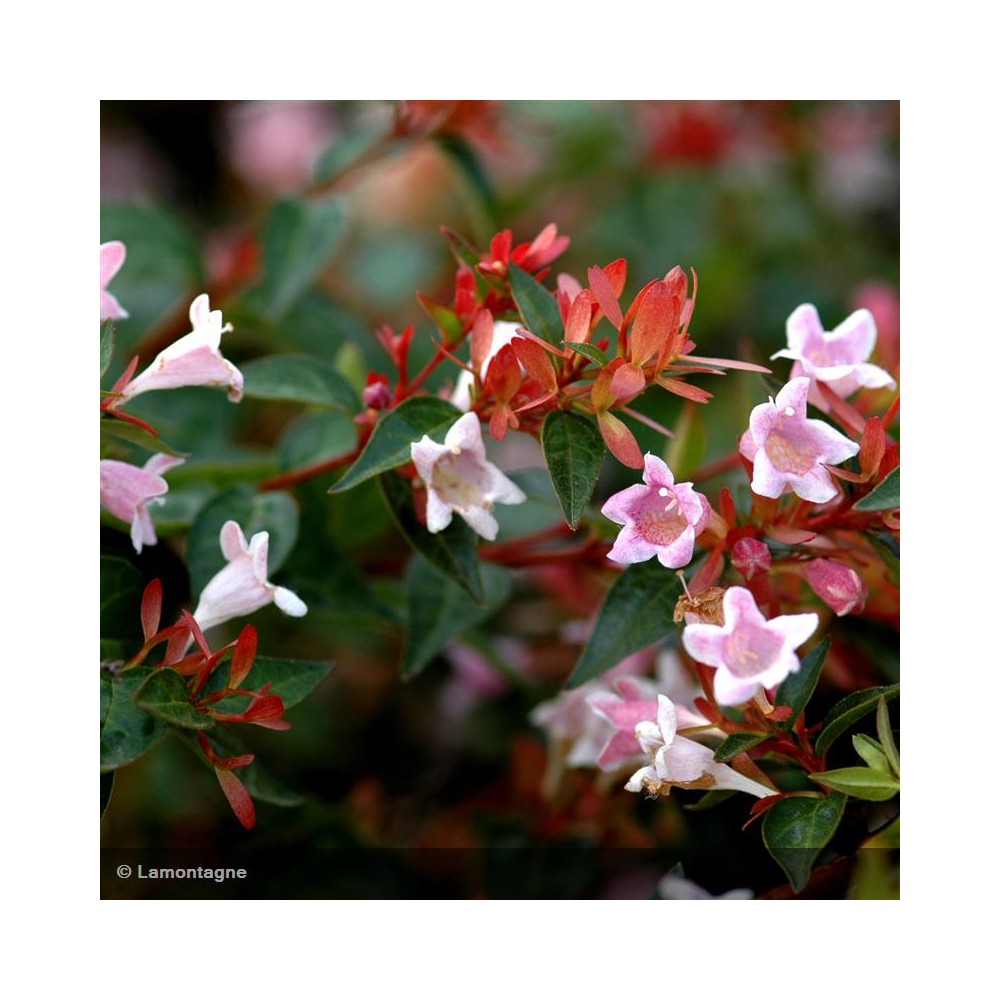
x=836, y=585
x=751, y=557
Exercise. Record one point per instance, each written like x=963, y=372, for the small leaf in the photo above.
x=317, y=438
x=591, y=351
x=107, y=344
x=454, y=551
x=166, y=696
x=860, y=782
x=871, y=753
x=298, y=240
x=574, y=450
x=299, y=378
x=438, y=609
x=127, y=731
x=885, y=496
x=796, y=690
x=885, y=736
x=121, y=598
x=274, y=512
x=537, y=306
x=736, y=743
x=797, y=828
x=637, y=611
x=848, y=710
x=389, y=445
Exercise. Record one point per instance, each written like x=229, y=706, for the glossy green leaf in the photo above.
x=871, y=753
x=574, y=450
x=537, y=306
x=438, y=609
x=274, y=512
x=638, y=610
x=299, y=239
x=885, y=496
x=736, y=743
x=389, y=445
x=127, y=731
x=116, y=432
x=298, y=378
x=886, y=738
x=590, y=351
x=797, y=828
x=454, y=551
x=121, y=594
x=796, y=689
x=107, y=344
x=165, y=694
x=291, y=680
x=860, y=782
x=107, y=787
x=848, y=710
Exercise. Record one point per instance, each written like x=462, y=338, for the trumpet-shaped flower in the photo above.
x=676, y=760
x=460, y=480
x=661, y=518
x=789, y=451
x=838, y=357
x=836, y=585
x=750, y=652
x=241, y=586
x=127, y=491
x=112, y=258
x=195, y=359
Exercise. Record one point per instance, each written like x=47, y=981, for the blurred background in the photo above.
x=442, y=785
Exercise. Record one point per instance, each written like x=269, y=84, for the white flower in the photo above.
x=241, y=586
x=460, y=481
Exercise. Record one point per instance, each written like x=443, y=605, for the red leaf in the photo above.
x=243, y=656
x=606, y=298
x=627, y=381
x=655, y=324
x=239, y=798
x=536, y=362
x=152, y=605
x=578, y=320
x=692, y=392
x=620, y=440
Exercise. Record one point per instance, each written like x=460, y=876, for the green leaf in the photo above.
x=885, y=496
x=638, y=610
x=165, y=694
x=274, y=512
x=389, y=445
x=888, y=548
x=736, y=743
x=291, y=680
x=107, y=786
x=590, y=351
x=537, y=306
x=797, y=828
x=796, y=689
x=848, y=710
x=887, y=740
x=861, y=782
x=298, y=378
x=574, y=450
x=121, y=595
x=439, y=609
x=463, y=155
x=454, y=551
x=107, y=344
x=127, y=731
x=299, y=239
x=871, y=753
x=315, y=439
x=119, y=430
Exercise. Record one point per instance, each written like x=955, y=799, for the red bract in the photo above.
x=531, y=257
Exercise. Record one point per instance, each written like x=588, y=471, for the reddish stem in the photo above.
x=297, y=476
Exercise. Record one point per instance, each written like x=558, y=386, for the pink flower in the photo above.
x=127, y=491
x=661, y=518
x=749, y=651
x=241, y=587
x=676, y=760
x=836, y=585
x=460, y=481
x=751, y=556
x=195, y=359
x=838, y=358
x=789, y=451
x=112, y=258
